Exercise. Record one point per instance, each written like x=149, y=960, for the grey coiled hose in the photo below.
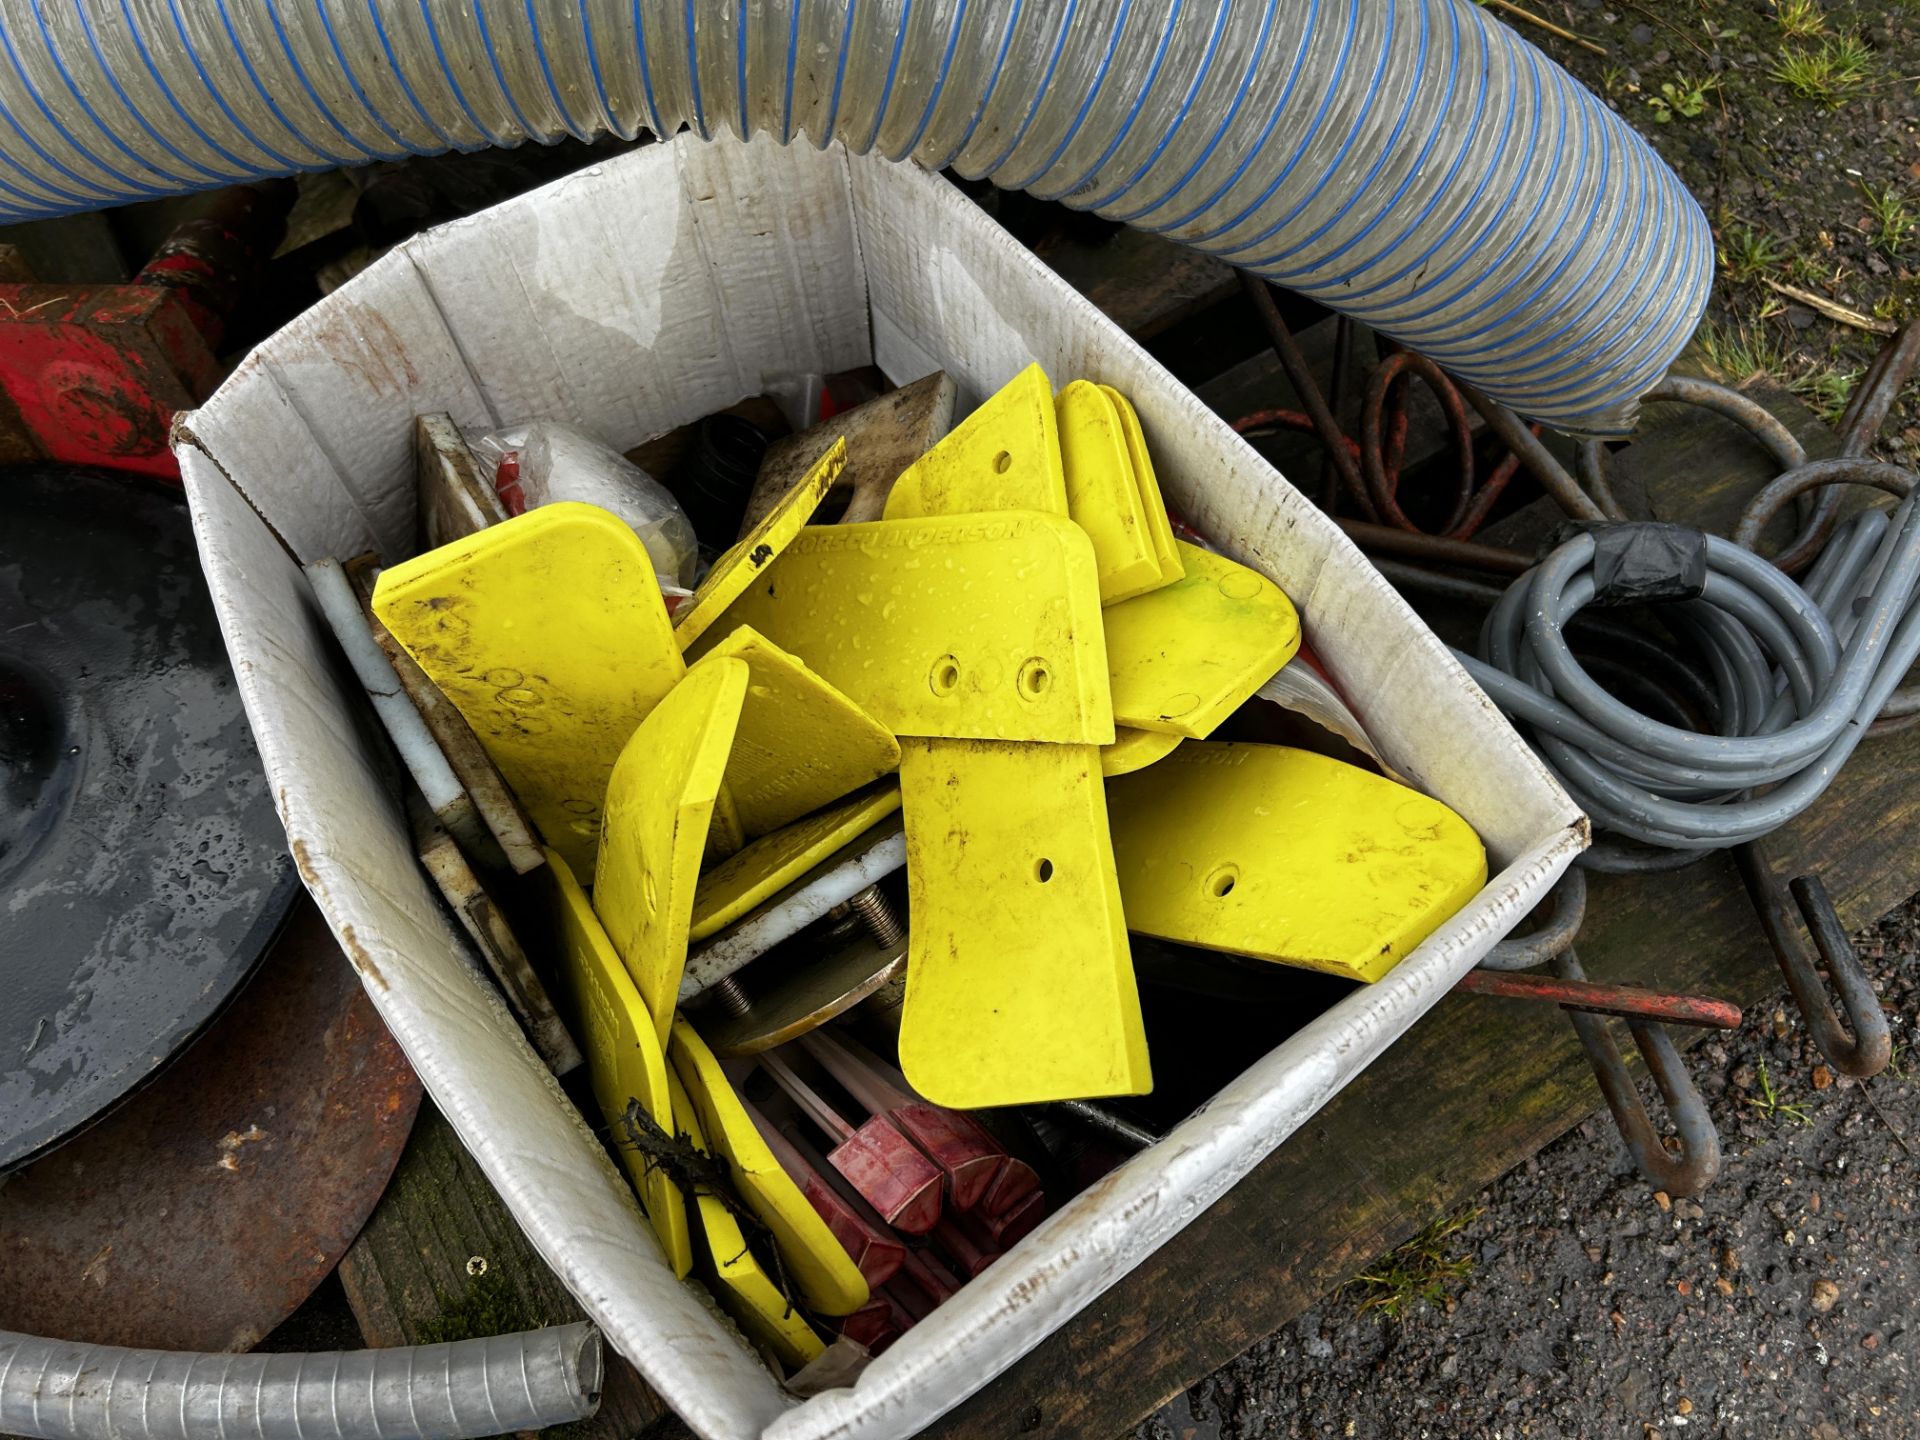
x=1793, y=676
x=1412, y=163
x=59, y=1390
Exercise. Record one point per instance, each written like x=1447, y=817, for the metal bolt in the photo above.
x=733, y=997
x=878, y=916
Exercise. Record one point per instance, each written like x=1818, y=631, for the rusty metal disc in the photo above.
x=144, y=868
x=200, y=1214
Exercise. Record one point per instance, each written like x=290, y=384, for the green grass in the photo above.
x=1684, y=96
x=1417, y=1273
x=1747, y=254
x=1826, y=391
x=1741, y=352
x=1769, y=1103
x=1890, y=223
x=1829, y=73
x=1799, y=19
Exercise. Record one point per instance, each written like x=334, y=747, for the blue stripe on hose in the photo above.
x=1350, y=294
x=1380, y=70
x=793, y=67
x=1391, y=205
x=693, y=73
x=840, y=74
x=1254, y=52
x=499, y=75
x=601, y=98
x=1140, y=99
x=1306, y=138
x=326, y=112
x=893, y=72
x=567, y=122
x=987, y=92
x=1456, y=330
x=740, y=66
x=406, y=86
x=1522, y=174
x=1039, y=92
x=646, y=70
x=446, y=69
x=939, y=84
x=246, y=64
x=1254, y=151
x=359, y=91
x=66, y=76
x=186, y=47
x=1086, y=105
x=113, y=79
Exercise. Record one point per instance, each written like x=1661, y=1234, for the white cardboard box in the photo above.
x=634, y=297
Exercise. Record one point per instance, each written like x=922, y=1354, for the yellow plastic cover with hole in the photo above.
x=823, y=1273
x=801, y=743
x=1019, y=980
x=741, y=883
x=549, y=634
x=659, y=807
x=1184, y=658
x=739, y=567
x=977, y=626
x=1102, y=495
x=1135, y=750
x=1285, y=855
x=1004, y=456
x=732, y=1270
x=1152, y=505
x=624, y=1056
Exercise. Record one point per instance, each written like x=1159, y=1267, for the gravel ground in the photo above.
x=1778, y=1305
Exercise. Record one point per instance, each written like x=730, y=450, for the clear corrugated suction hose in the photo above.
x=1412, y=163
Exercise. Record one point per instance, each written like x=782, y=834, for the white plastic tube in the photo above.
x=1413, y=163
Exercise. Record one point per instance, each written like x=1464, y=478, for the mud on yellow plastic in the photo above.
x=1102, y=496
x=801, y=743
x=740, y=566
x=976, y=626
x=828, y=1281
x=1019, y=979
x=1285, y=855
x=1135, y=750
x=549, y=634
x=1152, y=505
x=1184, y=658
x=659, y=806
x=624, y=1055
x=1004, y=456
x=742, y=882
x=732, y=1271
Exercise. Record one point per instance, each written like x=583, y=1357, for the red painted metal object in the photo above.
x=1629, y=1001
x=93, y=374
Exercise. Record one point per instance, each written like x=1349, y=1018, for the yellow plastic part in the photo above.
x=1186, y=657
x=1004, y=456
x=549, y=634
x=826, y=1278
x=1135, y=750
x=733, y=1272
x=983, y=627
x=659, y=807
x=741, y=883
x=624, y=1055
x=739, y=567
x=1152, y=505
x=1019, y=980
x=1102, y=496
x=1285, y=855
x=801, y=743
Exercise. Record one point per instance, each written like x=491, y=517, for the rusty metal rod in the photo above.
x=1626, y=1001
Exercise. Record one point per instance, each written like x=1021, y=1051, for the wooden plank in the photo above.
x=441, y=1259
x=1415, y=1134
x=1145, y=283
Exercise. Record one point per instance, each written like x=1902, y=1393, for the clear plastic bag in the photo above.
x=543, y=461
